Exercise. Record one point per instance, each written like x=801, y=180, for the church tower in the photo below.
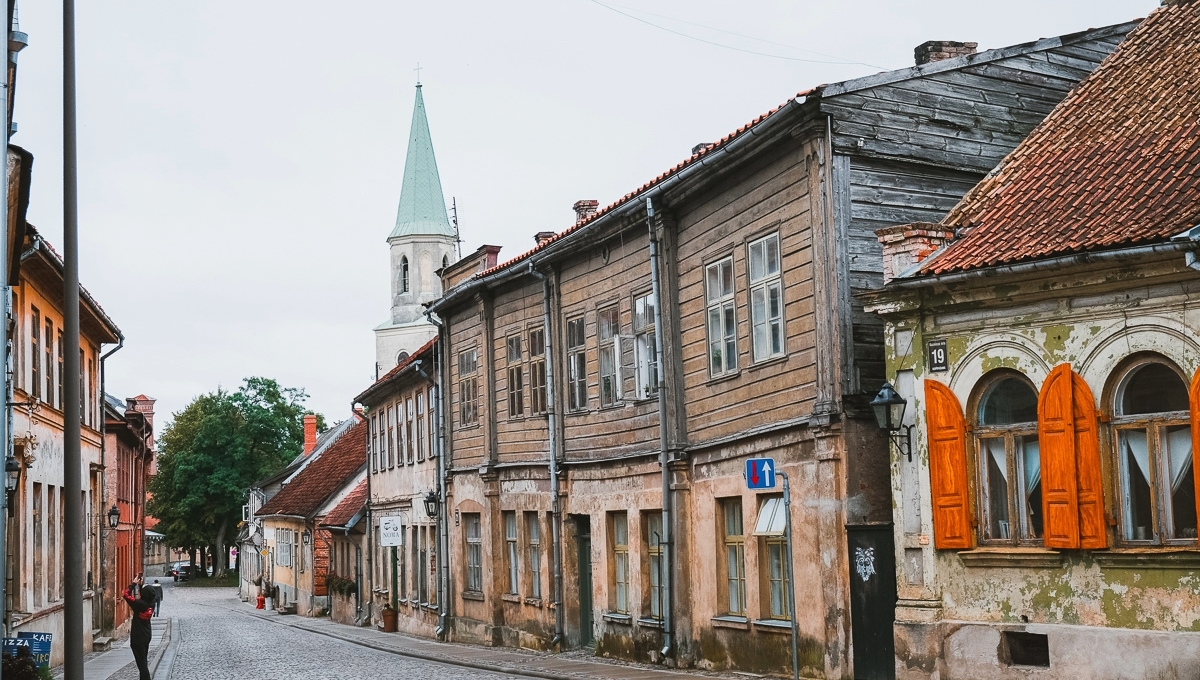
x=422, y=242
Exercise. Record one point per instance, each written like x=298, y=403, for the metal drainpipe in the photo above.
x=664, y=459
x=443, y=555
x=103, y=451
x=552, y=425
x=370, y=523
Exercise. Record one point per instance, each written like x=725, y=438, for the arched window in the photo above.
x=445, y=261
x=1153, y=436
x=403, y=273
x=401, y=357
x=1008, y=460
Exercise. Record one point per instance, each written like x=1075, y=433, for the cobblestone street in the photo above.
x=218, y=640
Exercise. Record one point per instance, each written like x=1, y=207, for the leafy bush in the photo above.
x=341, y=586
x=21, y=667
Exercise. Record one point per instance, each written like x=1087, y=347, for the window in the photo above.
x=375, y=443
x=409, y=420
x=431, y=562
x=401, y=440
x=644, y=349
x=722, y=317
x=423, y=564
x=445, y=261
x=468, y=413
x=283, y=547
x=576, y=366
x=766, y=298
x=432, y=422
x=510, y=551
x=537, y=371
x=1009, y=461
x=1154, y=453
x=533, y=535
x=655, y=564
x=391, y=439
x=420, y=426
x=403, y=273
x=35, y=356
x=735, y=556
x=61, y=395
x=474, y=552
x=619, y=531
x=516, y=378
x=770, y=527
x=609, y=332
x=48, y=367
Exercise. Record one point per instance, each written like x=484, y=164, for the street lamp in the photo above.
x=431, y=504
x=114, y=516
x=889, y=413
x=12, y=473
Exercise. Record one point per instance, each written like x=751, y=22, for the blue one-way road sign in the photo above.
x=760, y=473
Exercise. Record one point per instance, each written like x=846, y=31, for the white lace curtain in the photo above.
x=1178, y=453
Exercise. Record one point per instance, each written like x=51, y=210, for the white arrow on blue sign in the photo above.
x=760, y=473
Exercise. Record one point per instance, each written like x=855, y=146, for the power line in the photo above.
x=618, y=9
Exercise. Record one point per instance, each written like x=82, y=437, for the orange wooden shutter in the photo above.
x=1194, y=398
x=948, y=468
x=1093, y=533
x=1056, y=440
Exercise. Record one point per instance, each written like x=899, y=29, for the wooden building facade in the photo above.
x=605, y=389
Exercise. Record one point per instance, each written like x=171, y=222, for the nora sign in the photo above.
x=391, y=532
x=760, y=473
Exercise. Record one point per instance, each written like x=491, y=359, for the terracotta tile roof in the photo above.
x=349, y=507
x=308, y=490
x=1117, y=163
x=408, y=361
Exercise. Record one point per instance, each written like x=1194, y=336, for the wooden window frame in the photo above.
x=538, y=393
x=515, y=383
x=473, y=581
x=390, y=447
x=375, y=442
x=577, y=393
x=409, y=425
x=533, y=540
x=653, y=564
x=431, y=427
x=731, y=580
x=421, y=425
x=512, y=552
x=618, y=547
x=645, y=348
x=723, y=304
x=1014, y=466
x=608, y=351
x=35, y=354
x=48, y=357
x=1152, y=425
x=763, y=284
x=468, y=387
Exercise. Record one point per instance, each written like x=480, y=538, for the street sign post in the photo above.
x=760, y=474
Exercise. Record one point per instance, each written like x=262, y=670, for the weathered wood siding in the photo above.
x=517, y=310
x=468, y=442
x=769, y=196
x=599, y=276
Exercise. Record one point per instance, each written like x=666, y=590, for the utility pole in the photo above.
x=72, y=460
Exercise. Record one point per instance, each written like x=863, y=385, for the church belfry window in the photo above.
x=404, y=274
x=445, y=261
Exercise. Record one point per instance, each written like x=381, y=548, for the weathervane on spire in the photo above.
x=418, y=70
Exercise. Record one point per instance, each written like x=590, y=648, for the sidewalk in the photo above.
x=102, y=666
x=499, y=659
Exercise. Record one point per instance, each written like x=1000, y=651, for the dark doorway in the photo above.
x=872, y=600
x=583, y=541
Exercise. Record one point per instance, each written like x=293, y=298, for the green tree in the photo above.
x=213, y=450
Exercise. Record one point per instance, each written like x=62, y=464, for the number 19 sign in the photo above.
x=760, y=473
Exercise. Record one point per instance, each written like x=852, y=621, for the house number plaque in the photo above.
x=937, y=356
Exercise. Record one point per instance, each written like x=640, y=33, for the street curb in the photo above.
x=495, y=668
x=167, y=638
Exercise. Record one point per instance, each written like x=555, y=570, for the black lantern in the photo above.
x=889, y=413
x=431, y=504
x=12, y=473
x=114, y=516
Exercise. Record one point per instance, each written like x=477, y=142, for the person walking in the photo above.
x=139, y=635
x=156, y=588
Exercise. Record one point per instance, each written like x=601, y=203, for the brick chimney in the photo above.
x=905, y=245
x=543, y=236
x=585, y=209
x=937, y=50
x=310, y=433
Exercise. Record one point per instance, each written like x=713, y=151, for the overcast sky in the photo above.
x=240, y=162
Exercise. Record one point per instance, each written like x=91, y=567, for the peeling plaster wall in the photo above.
x=1125, y=612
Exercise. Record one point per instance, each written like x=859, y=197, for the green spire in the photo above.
x=422, y=206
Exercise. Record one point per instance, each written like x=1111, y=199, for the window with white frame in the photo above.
x=401, y=439
x=420, y=435
x=576, y=365
x=516, y=378
x=283, y=547
x=766, y=298
x=533, y=537
x=1154, y=452
x=537, y=371
x=645, y=351
x=468, y=390
x=391, y=439
x=722, y=317
x=375, y=442
x=409, y=426
x=430, y=398
x=1009, y=460
x=511, y=552
x=619, y=542
x=609, y=335
x=474, y=539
